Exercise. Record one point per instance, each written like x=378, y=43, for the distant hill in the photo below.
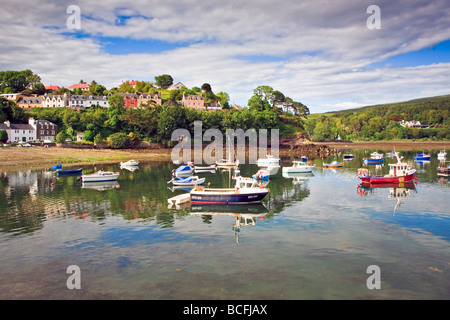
x=383, y=121
x=420, y=101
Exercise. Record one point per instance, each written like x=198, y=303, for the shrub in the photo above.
x=118, y=140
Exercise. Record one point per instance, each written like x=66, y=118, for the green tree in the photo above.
x=118, y=140
x=3, y=136
x=164, y=81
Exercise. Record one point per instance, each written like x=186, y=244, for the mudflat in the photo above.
x=14, y=158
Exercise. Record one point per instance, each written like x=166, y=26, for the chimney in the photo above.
x=32, y=122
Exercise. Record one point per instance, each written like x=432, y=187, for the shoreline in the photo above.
x=388, y=145
x=15, y=159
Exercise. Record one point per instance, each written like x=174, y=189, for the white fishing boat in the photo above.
x=100, y=176
x=189, y=181
x=270, y=160
x=442, y=154
x=129, y=163
x=298, y=167
x=246, y=190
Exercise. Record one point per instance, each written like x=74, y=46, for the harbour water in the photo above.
x=313, y=237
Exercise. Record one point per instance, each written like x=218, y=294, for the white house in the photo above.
x=34, y=130
x=176, y=86
x=55, y=101
x=92, y=101
x=18, y=132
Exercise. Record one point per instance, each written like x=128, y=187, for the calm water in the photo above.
x=312, y=238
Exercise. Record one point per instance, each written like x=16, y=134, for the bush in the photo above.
x=61, y=137
x=3, y=136
x=118, y=140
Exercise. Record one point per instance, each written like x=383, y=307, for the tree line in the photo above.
x=377, y=123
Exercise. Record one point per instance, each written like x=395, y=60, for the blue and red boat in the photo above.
x=246, y=190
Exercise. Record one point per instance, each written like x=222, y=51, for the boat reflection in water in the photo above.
x=397, y=190
x=244, y=215
x=298, y=177
x=101, y=186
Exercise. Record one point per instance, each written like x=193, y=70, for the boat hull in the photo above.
x=388, y=179
x=99, y=178
x=69, y=172
x=297, y=170
x=373, y=161
x=232, y=197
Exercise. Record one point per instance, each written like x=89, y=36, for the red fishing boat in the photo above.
x=398, y=172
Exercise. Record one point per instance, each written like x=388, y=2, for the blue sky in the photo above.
x=316, y=52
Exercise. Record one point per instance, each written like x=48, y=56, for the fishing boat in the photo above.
x=398, y=172
x=270, y=160
x=61, y=172
x=100, y=176
x=182, y=171
x=298, y=167
x=246, y=190
x=188, y=181
x=129, y=163
x=422, y=157
x=205, y=169
x=333, y=165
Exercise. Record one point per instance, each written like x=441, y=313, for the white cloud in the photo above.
x=321, y=51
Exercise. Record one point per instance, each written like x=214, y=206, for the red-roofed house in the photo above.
x=54, y=88
x=82, y=86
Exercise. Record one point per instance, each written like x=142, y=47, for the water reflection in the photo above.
x=244, y=215
x=398, y=191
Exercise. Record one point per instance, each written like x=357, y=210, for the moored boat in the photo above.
x=298, y=167
x=270, y=160
x=205, y=169
x=129, y=163
x=422, y=157
x=227, y=163
x=333, y=165
x=261, y=175
x=182, y=171
x=373, y=160
x=61, y=172
x=348, y=156
x=398, y=172
x=443, y=171
x=188, y=181
x=179, y=199
x=442, y=154
x=100, y=176
x=246, y=190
